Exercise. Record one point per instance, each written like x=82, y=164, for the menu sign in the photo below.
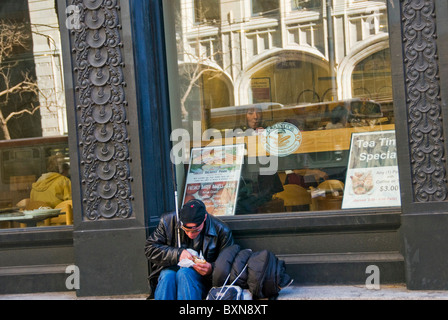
x=213, y=177
x=372, y=171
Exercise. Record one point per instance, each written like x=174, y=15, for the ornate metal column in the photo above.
x=420, y=100
x=109, y=218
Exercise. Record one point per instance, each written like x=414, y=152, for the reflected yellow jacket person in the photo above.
x=52, y=188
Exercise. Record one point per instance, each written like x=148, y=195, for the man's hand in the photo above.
x=203, y=269
x=185, y=255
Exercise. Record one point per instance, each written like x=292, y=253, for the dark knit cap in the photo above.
x=193, y=212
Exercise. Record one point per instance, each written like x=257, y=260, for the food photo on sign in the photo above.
x=213, y=177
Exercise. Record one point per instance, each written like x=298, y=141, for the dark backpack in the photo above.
x=264, y=276
x=228, y=292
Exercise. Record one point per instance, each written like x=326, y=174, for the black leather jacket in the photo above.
x=162, y=249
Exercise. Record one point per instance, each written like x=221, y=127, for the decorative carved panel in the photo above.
x=427, y=151
x=101, y=110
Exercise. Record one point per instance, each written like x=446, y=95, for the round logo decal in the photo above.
x=282, y=139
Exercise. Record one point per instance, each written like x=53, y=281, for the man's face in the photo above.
x=192, y=231
x=253, y=117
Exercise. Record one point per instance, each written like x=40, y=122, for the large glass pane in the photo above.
x=297, y=96
x=35, y=187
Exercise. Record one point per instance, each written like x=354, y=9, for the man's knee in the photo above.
x=189, y=284
x=167, y=276
x=186, y=275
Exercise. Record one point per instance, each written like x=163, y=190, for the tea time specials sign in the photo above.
x=372, y=171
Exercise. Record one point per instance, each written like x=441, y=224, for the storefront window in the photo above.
x=313, y=111
x=33, y=136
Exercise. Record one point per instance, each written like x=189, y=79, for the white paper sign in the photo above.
x=213, y=177
x=372, y=172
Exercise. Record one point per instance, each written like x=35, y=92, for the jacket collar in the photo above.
x=209, y=233
x=210, y=229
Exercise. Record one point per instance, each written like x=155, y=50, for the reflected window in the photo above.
x=207, y=10
x=306, y=4
x=264, y=7
x=372, y=78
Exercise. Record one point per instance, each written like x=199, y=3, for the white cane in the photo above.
x=177, y=217
x=176, y=205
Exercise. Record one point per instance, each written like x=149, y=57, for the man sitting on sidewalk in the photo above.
x=202, y=233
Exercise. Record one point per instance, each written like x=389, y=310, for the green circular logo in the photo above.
x=282, y=139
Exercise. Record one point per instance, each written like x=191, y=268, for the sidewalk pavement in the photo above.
x=360, y=292
x=294, y=292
